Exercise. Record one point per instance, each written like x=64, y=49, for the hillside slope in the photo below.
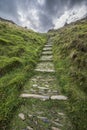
x=20, y=49
x=70, y=58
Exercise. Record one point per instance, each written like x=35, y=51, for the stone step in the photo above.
x=47, y=48
x=47, y=53
x=45, y=65
x=46, y=58
x=55, y=97
x=58, y=97
x=45, y=70
x=48, y=45
x=24, y=95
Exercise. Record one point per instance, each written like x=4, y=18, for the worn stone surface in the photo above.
x=60, y=113
x=34, y=96
x=45, y=70
x=46, y=58
x=58, y=97
x=29, y=128
x=22, y=116
x=48, y=45
x=47, y=49
x=55, y=128
x=45, y=66
x=57, y=124
x=44, y=119
x=47, y=53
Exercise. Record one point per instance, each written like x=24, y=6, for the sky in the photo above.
x=42, y=15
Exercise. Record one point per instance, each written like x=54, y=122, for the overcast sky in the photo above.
x=42, y=15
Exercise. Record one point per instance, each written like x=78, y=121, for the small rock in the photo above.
x=35, y=85
x=56, y=123
x=55, y=91
x=32, y=90
x=21, y=115
x=29, y=128
x=47, y=85
x=49, y=91
x=39, y=112
x=57, y=120
x=54, y=128
x=44, y=119
x=61, y=114
x=30, y=116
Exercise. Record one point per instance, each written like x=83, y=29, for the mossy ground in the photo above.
x=70, y=59
x=20, y=49
x=33, y=109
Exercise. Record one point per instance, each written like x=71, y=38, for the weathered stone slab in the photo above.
x=46, y=58
x=57, y=124
x=45, y=66
x=29, y=128
x=35, y=85
x=22, y=116
x=45, y=70
x=48, y=45
x=55, y=128
x=43, y=88
x=58, y=97
x=61, y=114
x=34, y=96
x=47, y=52
x=42, y=80
x=47, y=48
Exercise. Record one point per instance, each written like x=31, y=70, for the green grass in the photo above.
x=70, y=58
x=20, y=49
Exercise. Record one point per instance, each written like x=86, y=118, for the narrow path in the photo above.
x=43, y=105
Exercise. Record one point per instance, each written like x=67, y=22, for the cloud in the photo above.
x=40, y=15
x=71, y=15
x=8, y=9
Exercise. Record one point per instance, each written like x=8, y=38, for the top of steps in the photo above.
x=48, y=45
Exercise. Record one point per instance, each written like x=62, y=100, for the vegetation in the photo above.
x=70, y=58
x=20, y=49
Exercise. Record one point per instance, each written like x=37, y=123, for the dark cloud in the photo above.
x=8, y=9
x=36, y=14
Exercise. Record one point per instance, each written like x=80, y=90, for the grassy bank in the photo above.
x=20, y=49
x=70, y=58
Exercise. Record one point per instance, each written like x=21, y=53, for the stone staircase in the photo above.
x=44, y=113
